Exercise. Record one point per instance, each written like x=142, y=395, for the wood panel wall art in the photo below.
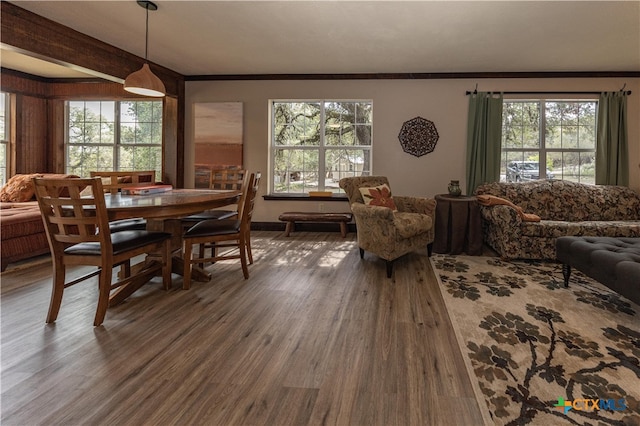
x=218, y=138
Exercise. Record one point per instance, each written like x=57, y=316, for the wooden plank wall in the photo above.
x=39, y=102
x=33, y=153
x=29, y=148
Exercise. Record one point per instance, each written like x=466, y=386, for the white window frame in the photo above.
x=116, y=144
x=5, y=139
x=321, y=147
x=542, y=149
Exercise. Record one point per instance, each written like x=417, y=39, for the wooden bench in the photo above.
x=292, y=217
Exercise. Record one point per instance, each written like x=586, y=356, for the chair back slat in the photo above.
x=69, y=217
x=114, y=181
x=244, y=191
x=229, y=179
x=249, y=200
x=226, y=179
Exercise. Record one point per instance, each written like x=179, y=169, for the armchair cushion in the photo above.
x=378, y=196
x=412, y=224
x=416, y=205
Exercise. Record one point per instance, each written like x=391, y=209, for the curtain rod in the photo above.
x=628, y=92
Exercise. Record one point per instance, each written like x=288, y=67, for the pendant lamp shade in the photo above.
x=144, y=82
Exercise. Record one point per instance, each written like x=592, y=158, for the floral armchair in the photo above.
x=386, y=231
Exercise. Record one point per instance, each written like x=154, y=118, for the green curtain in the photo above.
x=484, y=135
x=612, y=157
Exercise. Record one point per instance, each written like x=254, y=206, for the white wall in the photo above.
x=394, y=101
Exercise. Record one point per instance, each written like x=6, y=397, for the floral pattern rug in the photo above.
x=542, y=353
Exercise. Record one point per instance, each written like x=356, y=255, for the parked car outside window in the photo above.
x=521, y=171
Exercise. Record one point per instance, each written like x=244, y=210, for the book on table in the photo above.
x=146, y=189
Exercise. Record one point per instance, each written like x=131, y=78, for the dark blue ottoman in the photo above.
x=614, y=262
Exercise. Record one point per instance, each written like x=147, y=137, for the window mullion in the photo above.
x=272, y=159
x=116, y=136
x=6, y=166
x=542, y=163
x=321, y=148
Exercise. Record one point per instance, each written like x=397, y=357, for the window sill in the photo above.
x=303, y=197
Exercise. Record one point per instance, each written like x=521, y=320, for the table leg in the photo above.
x=174, y=226
x=148, y=271
x=197, y=273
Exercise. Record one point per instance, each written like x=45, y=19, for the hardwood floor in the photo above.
x=314, y=336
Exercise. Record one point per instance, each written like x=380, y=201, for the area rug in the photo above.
x=544, y=354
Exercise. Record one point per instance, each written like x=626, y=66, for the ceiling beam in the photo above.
x=416, y=76
x=43, y=38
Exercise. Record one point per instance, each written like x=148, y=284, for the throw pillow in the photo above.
x=378, y=196
x=492, y=200
x=18, y=189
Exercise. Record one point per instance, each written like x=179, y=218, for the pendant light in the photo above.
x=144, y=82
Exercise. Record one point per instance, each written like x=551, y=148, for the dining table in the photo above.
x=162, y=212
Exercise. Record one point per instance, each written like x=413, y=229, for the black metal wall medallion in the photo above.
x=418, y=136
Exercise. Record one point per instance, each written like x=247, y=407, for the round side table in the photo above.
x=458, y=225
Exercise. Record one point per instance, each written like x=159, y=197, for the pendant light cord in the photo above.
x=146, y=37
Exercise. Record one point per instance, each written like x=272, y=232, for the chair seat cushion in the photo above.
x=411, y=224
x=137, y=224
x=122, y=241
x=558, y=228
x=213, y=227
x=211, y=214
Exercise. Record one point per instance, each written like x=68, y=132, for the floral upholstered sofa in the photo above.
x=565, y=209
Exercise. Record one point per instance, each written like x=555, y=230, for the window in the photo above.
x=317, y=143
x=549, y=139
x=113, y=135
x=4, y=136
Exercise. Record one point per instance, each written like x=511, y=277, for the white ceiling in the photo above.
x=309, y=37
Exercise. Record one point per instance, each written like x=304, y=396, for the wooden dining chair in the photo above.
x=226, y=233
x=221, y=179
x=115, y=181
x=78, y=232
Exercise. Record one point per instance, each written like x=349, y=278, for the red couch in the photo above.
x=22, y=233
